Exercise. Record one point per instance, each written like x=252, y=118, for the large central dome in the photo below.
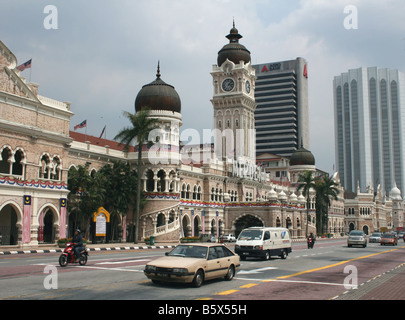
x=158, y=95
x=233, y=51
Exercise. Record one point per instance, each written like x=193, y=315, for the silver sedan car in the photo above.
x=357, y=237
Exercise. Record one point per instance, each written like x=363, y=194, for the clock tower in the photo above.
x=234, y=102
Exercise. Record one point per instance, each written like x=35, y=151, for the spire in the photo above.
x=158, y=70
x=234, y=35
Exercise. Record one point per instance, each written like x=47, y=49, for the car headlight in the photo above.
x=180, y=270
x=237, y=247
x=258, y=247
x=150, y=268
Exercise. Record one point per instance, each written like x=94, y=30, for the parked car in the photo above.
x=229, y=237
x=401, y=235
x=375, y=237
x=389, y=238
x=357, y=237
x=212, y=239
x=205, y=237
x=194, y=264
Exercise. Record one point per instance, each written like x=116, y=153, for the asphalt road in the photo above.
x=329, y=271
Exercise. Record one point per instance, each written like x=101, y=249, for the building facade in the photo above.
x=281, y=116
x=370, y=128
x=190, y=190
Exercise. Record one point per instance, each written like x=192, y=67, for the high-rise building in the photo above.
x=281, y=115
x=370, y=128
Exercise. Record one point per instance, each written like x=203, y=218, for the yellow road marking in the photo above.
x=249, y=285
x=335, y=264
x=225, y=293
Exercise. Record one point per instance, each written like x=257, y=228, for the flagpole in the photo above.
x=31, y=70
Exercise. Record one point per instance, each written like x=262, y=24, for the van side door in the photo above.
x=267, y=241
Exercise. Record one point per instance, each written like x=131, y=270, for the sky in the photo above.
x=97, y=54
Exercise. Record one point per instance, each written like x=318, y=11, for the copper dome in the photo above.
x=158, y=95
x=233, y=51
x=302, y=157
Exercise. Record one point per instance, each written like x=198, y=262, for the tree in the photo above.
x=306, y=182
x=326, y=189
x=86, y=194
x=141, y=126
x=120, y=185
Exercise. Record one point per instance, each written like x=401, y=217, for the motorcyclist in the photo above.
x=77, y=244
x=312, y=237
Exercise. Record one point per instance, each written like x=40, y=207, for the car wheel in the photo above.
x=230, y=274
x=284, y=254
x=198, y=279
x=266, y=255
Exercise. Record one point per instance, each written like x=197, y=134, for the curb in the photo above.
x=13, y=252
x=119, y=248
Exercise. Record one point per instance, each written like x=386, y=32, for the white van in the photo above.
x=264, y=243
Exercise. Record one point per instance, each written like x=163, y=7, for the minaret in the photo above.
x=234, y=102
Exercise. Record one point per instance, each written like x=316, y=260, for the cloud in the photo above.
x=105, y=51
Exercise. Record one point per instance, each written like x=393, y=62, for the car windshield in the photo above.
x=376, y=235
x=389, y=235
x=356, y=233
x=251, y=235
x=189, y=251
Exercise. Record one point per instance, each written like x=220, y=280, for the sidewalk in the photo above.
x=11, y=250
x=386, y=286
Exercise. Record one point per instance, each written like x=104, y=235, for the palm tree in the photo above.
x=141, y=126
x=326, y=189
x=306, y=182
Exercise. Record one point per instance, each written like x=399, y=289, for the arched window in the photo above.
x=44, y=169
x=18, y=164
x=5, y=161
x=56, y=169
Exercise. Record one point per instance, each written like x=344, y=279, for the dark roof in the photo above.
x=233, y=51
x=158, y=95
x=302, y=156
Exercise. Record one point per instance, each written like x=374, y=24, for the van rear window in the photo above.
x=251, y=235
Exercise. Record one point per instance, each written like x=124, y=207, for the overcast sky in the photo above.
x=103, y=52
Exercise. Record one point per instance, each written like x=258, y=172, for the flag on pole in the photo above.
x=81, y=125
x=102, y=132
x=25, y=65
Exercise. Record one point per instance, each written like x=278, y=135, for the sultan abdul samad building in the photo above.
x=190, y=190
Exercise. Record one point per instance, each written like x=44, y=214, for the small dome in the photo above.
x=158, y=95
x=282, y=196
x=395, y=193
x=233, y=51
x=302, y=157
x=293, y=197
x=301, y=198
x=272, y=195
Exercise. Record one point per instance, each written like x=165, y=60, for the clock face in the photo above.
x=228, y=84
x=247, y=86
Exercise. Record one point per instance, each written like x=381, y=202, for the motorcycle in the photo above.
x=68, y=255
x=310, y=243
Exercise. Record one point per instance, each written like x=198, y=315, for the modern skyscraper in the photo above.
x=370, y=128
x=281, y=116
